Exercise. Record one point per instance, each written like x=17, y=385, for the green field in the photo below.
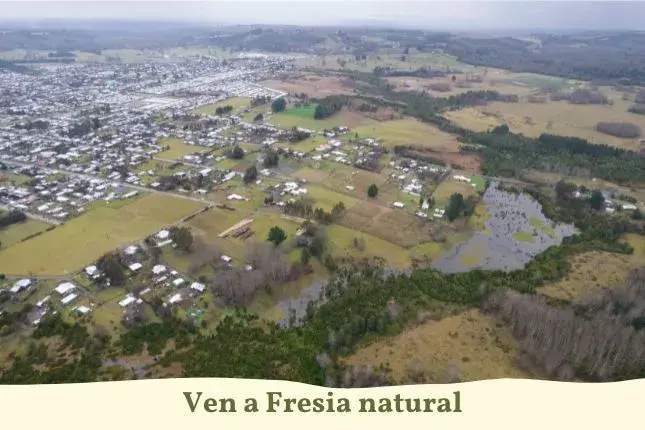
x=84, y=239
x=177, y=148
x=238, y=103
x=16, y=232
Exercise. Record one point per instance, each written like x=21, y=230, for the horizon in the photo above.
x=476, y=16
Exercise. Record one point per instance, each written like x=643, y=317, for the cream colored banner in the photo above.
x=168, y=404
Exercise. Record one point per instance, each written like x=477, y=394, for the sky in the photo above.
x=456, y=14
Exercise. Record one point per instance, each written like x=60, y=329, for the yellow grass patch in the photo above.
x=238, y=103
x=410, y=131
x=470, y=340
x=84, y=239
x=593, y=271
x=177, y=148
x=14, y=233
x=449, y=187
x=561, y=118
x=341, y=243
x=326, y=199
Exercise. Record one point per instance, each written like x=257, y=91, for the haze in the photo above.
x=472, y=15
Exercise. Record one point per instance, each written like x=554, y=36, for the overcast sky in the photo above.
x=508, y=14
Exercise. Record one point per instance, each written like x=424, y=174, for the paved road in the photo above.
x=123, y=184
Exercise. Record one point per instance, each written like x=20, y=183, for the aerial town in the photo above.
x=152, y=199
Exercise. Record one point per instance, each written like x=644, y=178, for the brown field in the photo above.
x=594, y=271
x=480, y=348
x=495, y=80
x=312, y=85
x=310, y=175
x=392, y=225
x=562, y=118
x=410, y=131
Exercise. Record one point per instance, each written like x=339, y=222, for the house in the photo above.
x=21, y=285
x=131, y=250
x=398, y=205
x=226, y=258
x=629, y=207
x=158, y=269
x=68, y=299
x=198, y=287
x=41, y=303
x=83, y=310
x=65, y=288
x=127, y=301
x=177, y=282
x=163, y=235
x=175, y=299
x=91, y=271
x=248, y=267
x=135, y=266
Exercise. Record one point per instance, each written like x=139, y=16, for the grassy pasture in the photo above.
x=238, y=103
x=340, y=243
x=449, y=187
x=177, y=148
x=16, y=232
x=409, y=131
x=84, y=239
x=395, y=226
x=300, y=118
x=593, y=271
x=470, y=340
x=327, y=199
x=562, y=118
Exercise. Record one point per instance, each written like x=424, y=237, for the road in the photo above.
x=123, y=184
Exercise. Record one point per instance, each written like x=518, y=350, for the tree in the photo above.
x=372, y=191
x=111, y=265
x=597, y=200
x=258, y=117
x=182, y=237
x=271, y=159
x=338, y=210
x=251, y=174
x=278, y=105
x=237, y=153
x=305, y=256
x=455, y=206
x=276, y=235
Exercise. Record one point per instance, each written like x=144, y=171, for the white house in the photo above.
x=127, y=301
x=197, y=287
x=158, y=269
x=398, y=205
x=22, y=284
x=68, y=299
x=135, y=266
x=177, y=282
x=131, y=250
x=91, y=270
x=65, y=288
x=226, y=258
x=163, y=235
x=175, y=299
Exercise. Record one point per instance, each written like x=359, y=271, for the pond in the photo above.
x=515, y=232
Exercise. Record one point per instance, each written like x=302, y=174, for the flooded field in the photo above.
x=516, y=231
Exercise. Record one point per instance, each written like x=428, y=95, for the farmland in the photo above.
x=17, y=232
x=177, y=148
x=91, y=235
x=238, y=104
x=304, y=117
x=562, y=118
